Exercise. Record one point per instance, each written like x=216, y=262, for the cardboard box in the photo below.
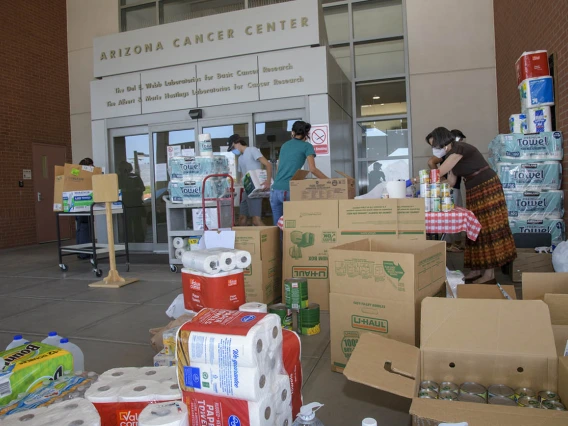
x=529, y=261
x=377, y=285
x=72, y=177
x=81, y=201
x=484, y=291
x=252, y=182
x=263, y=279
x=311, y=214
x=302, y=189
x=468, y=340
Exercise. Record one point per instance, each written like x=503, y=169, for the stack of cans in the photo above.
x=437, y=196
x=494, y=395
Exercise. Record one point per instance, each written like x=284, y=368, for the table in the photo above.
x=453, y=222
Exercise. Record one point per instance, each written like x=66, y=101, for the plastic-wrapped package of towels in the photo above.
x=530, y=176
x=535, y=204
x=546, y=146
x=188, y=167
x=191, y=189
x=555, y=227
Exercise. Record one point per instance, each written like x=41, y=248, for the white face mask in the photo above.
x=438, y=152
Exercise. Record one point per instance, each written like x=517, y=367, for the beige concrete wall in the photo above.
x=86, y=19
x=451, y=48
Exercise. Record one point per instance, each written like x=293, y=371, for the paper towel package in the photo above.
x=190, y=190
x=223, y=290
x=536, y=92
x=531, y=147
x=81, y=202
x=173, y=413
x=530, y=176
x=532, y=64
x=535, y=204
x=72, y=412
x=518, y=123
x=555, y=227
x=252, y=182
x=539, y=120
x=188, y=167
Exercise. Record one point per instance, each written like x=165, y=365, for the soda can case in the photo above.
x=530, y=176
x=546, y=146
x=535, y=204
x=555, y=227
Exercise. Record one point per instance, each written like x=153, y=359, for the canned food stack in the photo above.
x=298, y=314
x=495, y=395
x=214, y=278
x=238, y=364
x=437, y=196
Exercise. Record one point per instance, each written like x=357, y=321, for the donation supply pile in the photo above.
x=438, y=197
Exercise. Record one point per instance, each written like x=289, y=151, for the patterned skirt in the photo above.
x=494, y=246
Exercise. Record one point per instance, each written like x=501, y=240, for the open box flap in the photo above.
x=561, y=339
x=435, y=411
x=536, y=285
x=344, y=175
x=487, y=326
x=374, y=354
x=558, y=306
x=563, y=378
x=300, y=175
x=484, y=291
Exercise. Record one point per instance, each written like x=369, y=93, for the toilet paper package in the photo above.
x=518, y=123
x=164, y=414
x=66, y=413
x=535, y=204
x=536, y=92
x=532, y=64
x=292, y=362
x=530, y=176
x=223, y=290
x=555, y=227
x=539, y=120
x=513, y=147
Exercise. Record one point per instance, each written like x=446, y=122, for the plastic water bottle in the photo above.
x=307, y=415
x=52, y=339
x=369, y=422
x=78, y=358
x=18, y=341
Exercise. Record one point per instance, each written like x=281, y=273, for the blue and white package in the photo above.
x=545, y=146
x=190, y=190
x=536, y=92
x=535, y=204
x=555, y=227
x=518, y=123
x=189, y=167
x=539, y=120
x=530, y=176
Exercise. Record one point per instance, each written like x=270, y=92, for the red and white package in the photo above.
x=225, y=290
x=292, y=359
x=532, y=65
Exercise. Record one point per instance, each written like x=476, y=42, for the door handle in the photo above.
x=39, y=196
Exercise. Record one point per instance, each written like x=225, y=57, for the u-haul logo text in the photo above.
x=370, y=324
x=314, y=272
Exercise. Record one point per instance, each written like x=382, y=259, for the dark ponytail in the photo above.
x=301, y=129
x=442, y=137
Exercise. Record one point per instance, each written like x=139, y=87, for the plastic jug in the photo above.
x=307, y=415
x=78, y=358
x=369, y=422
x=18, y=341
x=52, y=339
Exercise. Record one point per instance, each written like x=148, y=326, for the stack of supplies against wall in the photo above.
x=239, y=368
x=73, y=180
x=214, y=278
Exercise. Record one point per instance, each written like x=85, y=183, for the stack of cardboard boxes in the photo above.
x=73, y=183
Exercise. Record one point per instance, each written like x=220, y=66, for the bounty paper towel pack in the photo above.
x=536, y=92
x=530, y=176
x=518, y=123
x=539, y=120
x=518, y=147
x=555, y=227
x=535, y=204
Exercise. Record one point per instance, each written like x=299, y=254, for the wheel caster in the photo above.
x=98, y=273
x=63, y=267
x=93, y=262
x=173, y=268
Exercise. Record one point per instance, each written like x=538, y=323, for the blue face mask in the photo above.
x=236, y=152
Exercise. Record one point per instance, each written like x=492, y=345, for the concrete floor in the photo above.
x=111, y=326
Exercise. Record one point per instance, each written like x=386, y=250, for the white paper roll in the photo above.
x=164, y=414
x=273, y=326
x=245, y=383
x=180, y=242
x=34, y=417
x=254, y=307
x=242, y=257
x=227, y=260
x=201, y=260
x=160, y=374
x=104, y=391
x=210, y=348
x=123, y=373
x=518, y=123
x=168, y=391
x=282, y=392
x=73, y=412
x=262, y=413
x=179, y=253
x=139, y=391
x=284, y=419
x=396, y=189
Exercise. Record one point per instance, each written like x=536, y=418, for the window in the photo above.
x=384, y=139
x=377, y=19
x=337, y=24
x=381, y=98
x=379, y=59
x=134, y=18
x=342, y=55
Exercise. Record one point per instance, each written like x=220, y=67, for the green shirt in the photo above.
x=293, y=155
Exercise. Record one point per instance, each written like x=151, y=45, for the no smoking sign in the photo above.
x=319, y=136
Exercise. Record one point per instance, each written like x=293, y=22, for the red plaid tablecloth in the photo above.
x=458, y=220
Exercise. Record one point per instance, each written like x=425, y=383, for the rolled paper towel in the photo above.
x=262, y=413
x=273, y=326
x=282, y=393
x=539, y=120
x=168, y=391
x=102, y=391
x=254, y=307
x=179, y=253
x=201, y=260
x=246, y=383
x=180, y=242
x=160, y=374
x=139, y=391
x=71, y=413
x=284, y=419
x=536, y=92
x=227, y=260
x=396, y=189
x=242, y=257
x=164, y=414
x=124, y=373
x=518, y=123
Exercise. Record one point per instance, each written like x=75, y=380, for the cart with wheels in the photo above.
x=93, y=249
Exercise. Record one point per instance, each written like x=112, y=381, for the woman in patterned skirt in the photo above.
x=494, y=246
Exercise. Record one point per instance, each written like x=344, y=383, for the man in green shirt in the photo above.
x=293, y=155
